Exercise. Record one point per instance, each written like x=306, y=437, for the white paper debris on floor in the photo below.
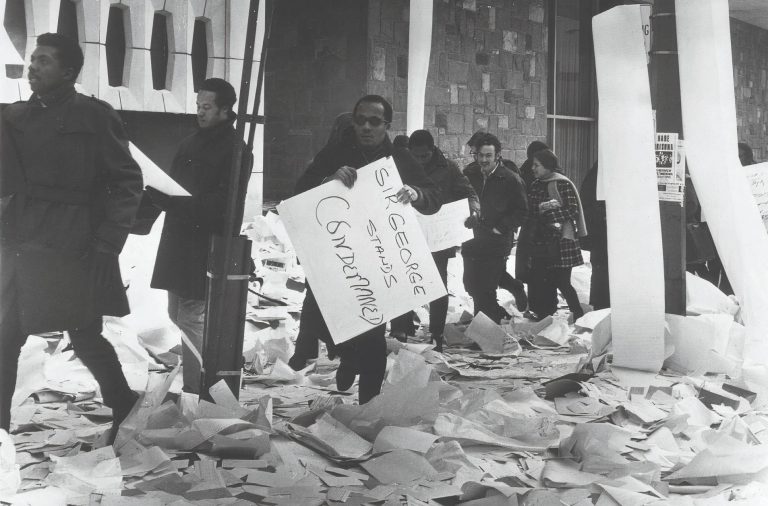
x=518, y=413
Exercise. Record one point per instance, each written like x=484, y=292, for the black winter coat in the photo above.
x=347, y=152
x=449, y=179
x=202, y=166
x=70, y=186
x=503, y=206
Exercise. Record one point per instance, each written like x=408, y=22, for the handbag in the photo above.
x=699, y=246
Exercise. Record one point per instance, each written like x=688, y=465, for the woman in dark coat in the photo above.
x=549, y=241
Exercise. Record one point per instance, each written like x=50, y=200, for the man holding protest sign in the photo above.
x=366, y=142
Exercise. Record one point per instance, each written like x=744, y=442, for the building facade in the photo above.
x=521, y=69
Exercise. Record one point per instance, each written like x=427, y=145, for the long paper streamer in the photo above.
x=626, y=157
x=419, y=48
x=709, y=124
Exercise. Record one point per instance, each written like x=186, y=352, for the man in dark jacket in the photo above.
x=503, y=207
x=506, y=281
x=70, y=190
x=453, y=186
x=366, y=142
x=202, y=166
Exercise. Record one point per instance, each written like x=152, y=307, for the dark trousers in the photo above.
x=366, y=354
x=91, y=348
x=481, y=278
x=547, y=279
x=542, y=295
x=599, y=290
x=438, y=308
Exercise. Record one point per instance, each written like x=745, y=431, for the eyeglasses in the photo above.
x=374, y=121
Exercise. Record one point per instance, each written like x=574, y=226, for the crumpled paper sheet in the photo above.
x=10, y=478
x=85, y=472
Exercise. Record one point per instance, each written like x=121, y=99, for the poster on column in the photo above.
x=757, y=175
x=363, y=252
x=670, y=167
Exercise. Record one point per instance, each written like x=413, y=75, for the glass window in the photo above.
x=572, y=90
x=115, y=45
x=572, y=101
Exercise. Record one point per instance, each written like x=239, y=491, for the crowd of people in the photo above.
x=71, y=194
x=535, y=205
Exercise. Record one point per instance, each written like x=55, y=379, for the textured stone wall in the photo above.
x=750, y=75
x=487, y=70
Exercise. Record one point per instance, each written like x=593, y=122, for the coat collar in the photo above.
x=55, y=97
x=206, y=134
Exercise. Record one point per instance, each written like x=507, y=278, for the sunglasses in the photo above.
x=374, y=121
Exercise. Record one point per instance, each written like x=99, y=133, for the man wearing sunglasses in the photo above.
x=366, y=141
x=503, y=206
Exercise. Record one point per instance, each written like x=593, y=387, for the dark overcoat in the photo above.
x=69, y=187
x=202, y=166
x=348, y=152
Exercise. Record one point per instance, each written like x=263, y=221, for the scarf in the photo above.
x=581, y=225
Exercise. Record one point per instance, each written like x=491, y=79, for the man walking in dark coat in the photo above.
x=70, y=190
x=202, y=166
x=503, y=206
x=506, y=281
x=453, y=186
x=367, y=142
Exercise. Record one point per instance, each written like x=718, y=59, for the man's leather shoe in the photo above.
x=119, y=413
x=345, y=376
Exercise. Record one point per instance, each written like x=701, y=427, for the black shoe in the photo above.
x=345, y=377
x=119, y=413
x=297, y=363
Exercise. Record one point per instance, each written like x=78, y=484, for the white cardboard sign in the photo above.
x=445, y=228
x=363, y=252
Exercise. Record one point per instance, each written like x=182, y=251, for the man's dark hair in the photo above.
x=487, y=139
x=225, y=93
x=376, y=99
x=548, y=159
x=472, y=142
x=67, y=50
x=401, y=141
x=534, y=147
x=421, y=138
